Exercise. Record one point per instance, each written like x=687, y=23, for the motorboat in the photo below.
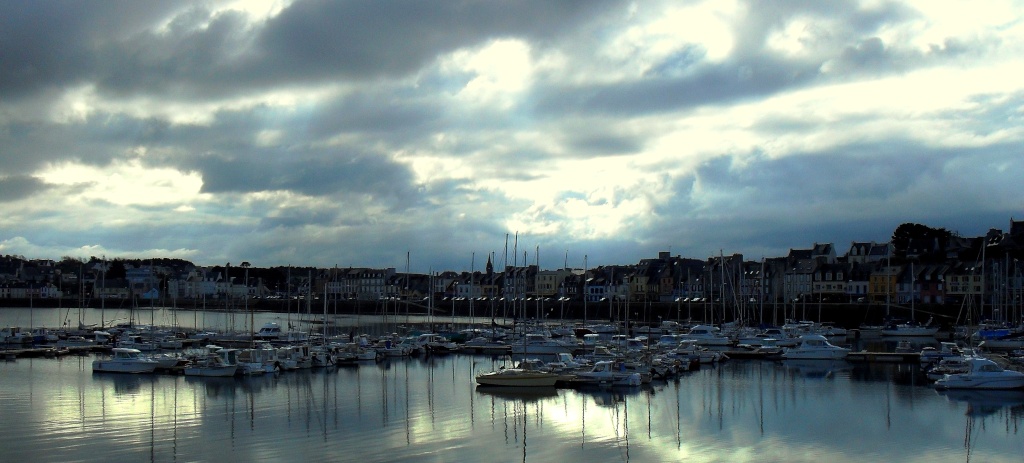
x=707, y=335
x=125, y=360
x=608, y=373
x=485, y=345
x=691, y=350
x=982, y=373
x=130, y=341
x=949, y=366
x=76, y=341
x=170, y=342
x=538, y=344
x=526, y=374
x=392, y=346
x=212, y=365
x=272, y=332
x=815, y=347
x=168, y=361
x=433, y=343
x=259, y=359
x=946, y=349
x=910, y=329
x=294, y=357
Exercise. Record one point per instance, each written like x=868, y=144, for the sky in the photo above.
x=434, y=135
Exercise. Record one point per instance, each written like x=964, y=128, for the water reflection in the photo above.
x=124, y=384
x=512, y=393
x=404, y=409
x=817, y=369
x=984, y=403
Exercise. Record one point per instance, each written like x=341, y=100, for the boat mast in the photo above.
x=472, y=286
x=584, y=290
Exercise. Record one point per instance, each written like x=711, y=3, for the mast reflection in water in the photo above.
x=430, y=409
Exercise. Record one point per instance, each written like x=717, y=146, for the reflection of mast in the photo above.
x=408, y=421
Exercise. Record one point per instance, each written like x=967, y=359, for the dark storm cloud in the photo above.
x=378, y=113
x=200, y=54
x=849, y=192
x=19, y=186
x=95, y=141
x=50, y=44
x=717, y=84
x=297, y=217
x=327, y=173
x=365, y=39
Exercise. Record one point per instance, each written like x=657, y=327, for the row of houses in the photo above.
x=926, y=271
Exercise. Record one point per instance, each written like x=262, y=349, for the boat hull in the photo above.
x=116, y=366
x=506, y=379
x=215, y=372
x=964, y=381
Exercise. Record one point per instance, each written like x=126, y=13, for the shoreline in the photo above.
x=844, y=315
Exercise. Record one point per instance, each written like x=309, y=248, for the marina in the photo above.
x=429, y=407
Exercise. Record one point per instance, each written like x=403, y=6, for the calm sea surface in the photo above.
x=429, y=409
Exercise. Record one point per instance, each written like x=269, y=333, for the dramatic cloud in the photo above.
x=353, y=132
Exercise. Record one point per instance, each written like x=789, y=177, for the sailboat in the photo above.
x=526, y=374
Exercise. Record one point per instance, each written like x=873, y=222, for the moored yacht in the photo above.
x=125, y=360
x=707, y=335
x=538, y=344
x=608, y=373
x=212, y=365
x=524, y=375
x=815, y=347
x=272, y=332
x=982, y=373
x=910, y=329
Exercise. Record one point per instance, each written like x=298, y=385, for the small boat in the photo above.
x=949, y=366
x=167, y=361
x=707, y=335
x=690, y=349
x=524, y=375
x=212, y=365
x=538, y=344
x=910, y=328
x=815, y=347
x=982, y=373
x=272, y=332
x=433, y=343
x=945, y=350
x=75, y=341
x=485, y=345
x=125, y=360
x=170, y=342
x=608, y=373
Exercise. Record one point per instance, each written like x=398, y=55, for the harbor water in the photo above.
x=429, y=409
